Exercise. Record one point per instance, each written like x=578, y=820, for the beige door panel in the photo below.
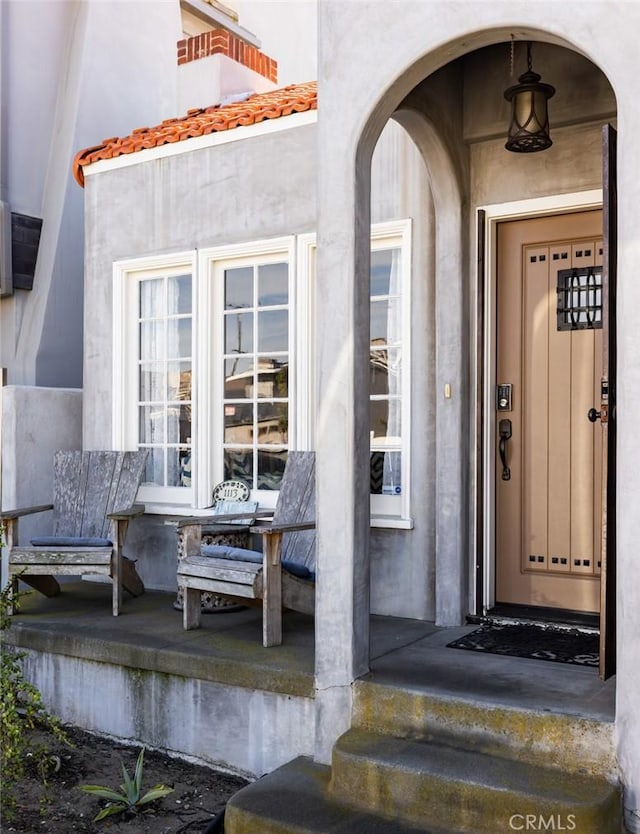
x=548, y=513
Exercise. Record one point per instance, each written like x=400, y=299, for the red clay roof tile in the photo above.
x=296, y=98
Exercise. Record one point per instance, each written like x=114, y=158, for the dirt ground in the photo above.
x=62, y=808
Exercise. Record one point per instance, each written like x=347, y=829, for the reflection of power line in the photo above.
x=237, y=350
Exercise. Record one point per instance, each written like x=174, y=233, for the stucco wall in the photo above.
x=68, y=91
x=574, y=163
x=403, y=561
x=287, y=32
x=36, y=422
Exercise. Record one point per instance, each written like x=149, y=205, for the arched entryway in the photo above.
x=457, y=117
x=451, y=102
x=389, y=53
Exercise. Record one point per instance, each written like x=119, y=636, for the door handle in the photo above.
x=593, y=415
x=504, y=430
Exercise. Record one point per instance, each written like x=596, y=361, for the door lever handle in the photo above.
x=593, y=415
x=504, y=430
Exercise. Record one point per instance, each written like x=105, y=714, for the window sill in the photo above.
x=169, y=508
x=159, y=508
x=392, y=523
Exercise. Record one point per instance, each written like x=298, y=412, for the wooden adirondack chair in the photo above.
x=93, y=502
x=282, y=576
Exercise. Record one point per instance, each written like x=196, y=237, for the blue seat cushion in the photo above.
x=240, y=554
x=71, y=541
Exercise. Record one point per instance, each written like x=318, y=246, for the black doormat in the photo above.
x=534, y=641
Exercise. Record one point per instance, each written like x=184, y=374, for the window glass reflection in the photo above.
x=381, y=262
x=238, y=378
x=273, y=284
x=184, y=467
x=178, y=380
x=385, y=368
x=179, y=424
x=270, y=468
x=385, y=322
x=154, y=469
x=238, y=288
x=273, y=330
x=386, y=473
x=173, y=467
x=152, y=340
x=178, y=338
x=238, y=466
x=179, y=295
x=151, y=298
x=151, y=424
x=151, y=383
x=238, y=333
x=273, y=423
x=273, y=377
x=385, y=420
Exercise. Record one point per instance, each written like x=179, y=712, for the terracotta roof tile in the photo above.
x=296, y=98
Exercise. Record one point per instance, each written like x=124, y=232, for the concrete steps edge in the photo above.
x=294, y=799
x=429, y=783
x=557, y=740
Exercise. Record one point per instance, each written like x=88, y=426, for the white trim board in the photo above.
x=236, y=134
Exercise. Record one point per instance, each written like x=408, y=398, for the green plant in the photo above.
x=129, y=800
x=22, y=710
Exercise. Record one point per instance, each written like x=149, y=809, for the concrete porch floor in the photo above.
x=228, y=649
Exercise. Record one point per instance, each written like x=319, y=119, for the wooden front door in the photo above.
x=548, y=454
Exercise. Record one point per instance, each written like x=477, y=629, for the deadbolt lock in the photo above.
x=504, y=393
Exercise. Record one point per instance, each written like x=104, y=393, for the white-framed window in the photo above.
x=213, y=372
x=389, y=353
x=153, y=370
x=204, y=369
x=389, y=367
x=249, y=400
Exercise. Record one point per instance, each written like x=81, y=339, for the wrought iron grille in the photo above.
x=580, y=298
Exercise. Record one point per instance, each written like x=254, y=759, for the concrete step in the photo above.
x=294, y=799
x=434, y=784
x=554, y=740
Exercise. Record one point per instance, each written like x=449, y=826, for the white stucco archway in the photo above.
x=394, y=53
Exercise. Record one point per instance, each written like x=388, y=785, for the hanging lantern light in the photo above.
x=529, y=128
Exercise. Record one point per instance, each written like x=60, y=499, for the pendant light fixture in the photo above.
x=529, y=128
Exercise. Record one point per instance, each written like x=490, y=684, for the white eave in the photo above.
x=196, y=143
